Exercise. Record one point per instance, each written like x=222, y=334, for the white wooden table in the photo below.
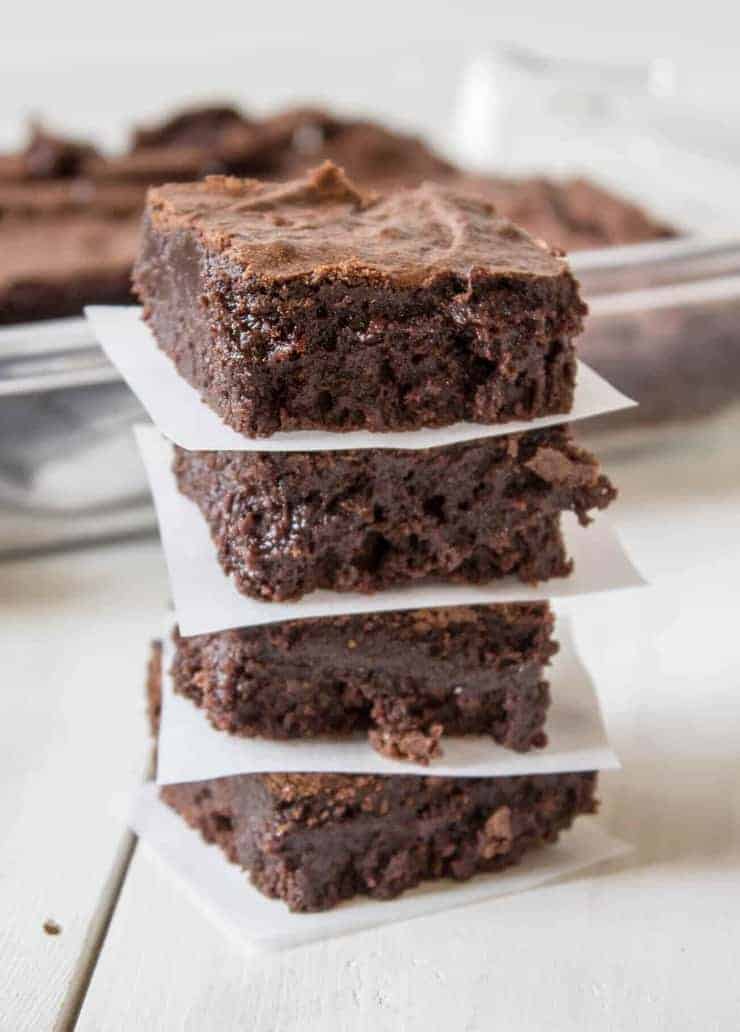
x=647, y=944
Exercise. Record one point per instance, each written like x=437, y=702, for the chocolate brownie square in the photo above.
x=406, y=677
x=287, y=523
x=314, y=840
x=313, y=305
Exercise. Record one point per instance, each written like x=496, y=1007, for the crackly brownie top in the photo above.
x=322, y=225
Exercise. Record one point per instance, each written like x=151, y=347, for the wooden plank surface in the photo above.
x=75, y=629
x=648, y=944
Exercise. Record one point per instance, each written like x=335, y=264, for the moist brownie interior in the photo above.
x=314, y=840
x=407, y=678
x=285, y=524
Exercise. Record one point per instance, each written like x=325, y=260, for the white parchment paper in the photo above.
x=190, y=749
x=225, y=893
x=206, y=599
x=176, y=409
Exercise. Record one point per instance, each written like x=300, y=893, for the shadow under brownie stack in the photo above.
x=310, y=305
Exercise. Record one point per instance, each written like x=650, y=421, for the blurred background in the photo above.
x=98, y=69
x=612, y=132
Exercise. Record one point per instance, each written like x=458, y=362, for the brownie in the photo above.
x=219, y=138
x=200, y=126
x=287, y=523
x=405, y=677
x=312, y=305
x=374, y=155
x=234, y=150
x=574, y=214
x=54, y=265
x=202, y=141
x=46, y=156
x=69, y=216
x=50, y=198
x=314, y=840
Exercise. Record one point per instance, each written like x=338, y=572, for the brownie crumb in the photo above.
x=409, y=745
x=51, y=927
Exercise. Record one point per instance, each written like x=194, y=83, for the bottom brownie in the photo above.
x=405, y=677
x=314, y=840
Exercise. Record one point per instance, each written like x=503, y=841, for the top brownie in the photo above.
x=311, y=305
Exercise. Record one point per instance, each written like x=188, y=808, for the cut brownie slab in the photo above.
x=286, y=523
x=46, y=156
x=51, y=266
x=314, y=840
x=312, y=305
x=573, y=214
x=406, y=677
x=203, y=126
x=374, y=155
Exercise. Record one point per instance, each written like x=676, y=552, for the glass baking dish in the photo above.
x=664, y=323
x=675, y=348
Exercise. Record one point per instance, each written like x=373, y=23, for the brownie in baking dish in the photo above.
x=52, y=266
x=372, y=154
x=287, y=523
x=310, y=304
x=407, y=678
x=314, y=840
x=574, y=214
x=46, y=156
x=198, y=126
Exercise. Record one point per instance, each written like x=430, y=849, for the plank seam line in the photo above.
x=92, y=948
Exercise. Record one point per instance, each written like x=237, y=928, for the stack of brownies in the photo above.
x=310, y=305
